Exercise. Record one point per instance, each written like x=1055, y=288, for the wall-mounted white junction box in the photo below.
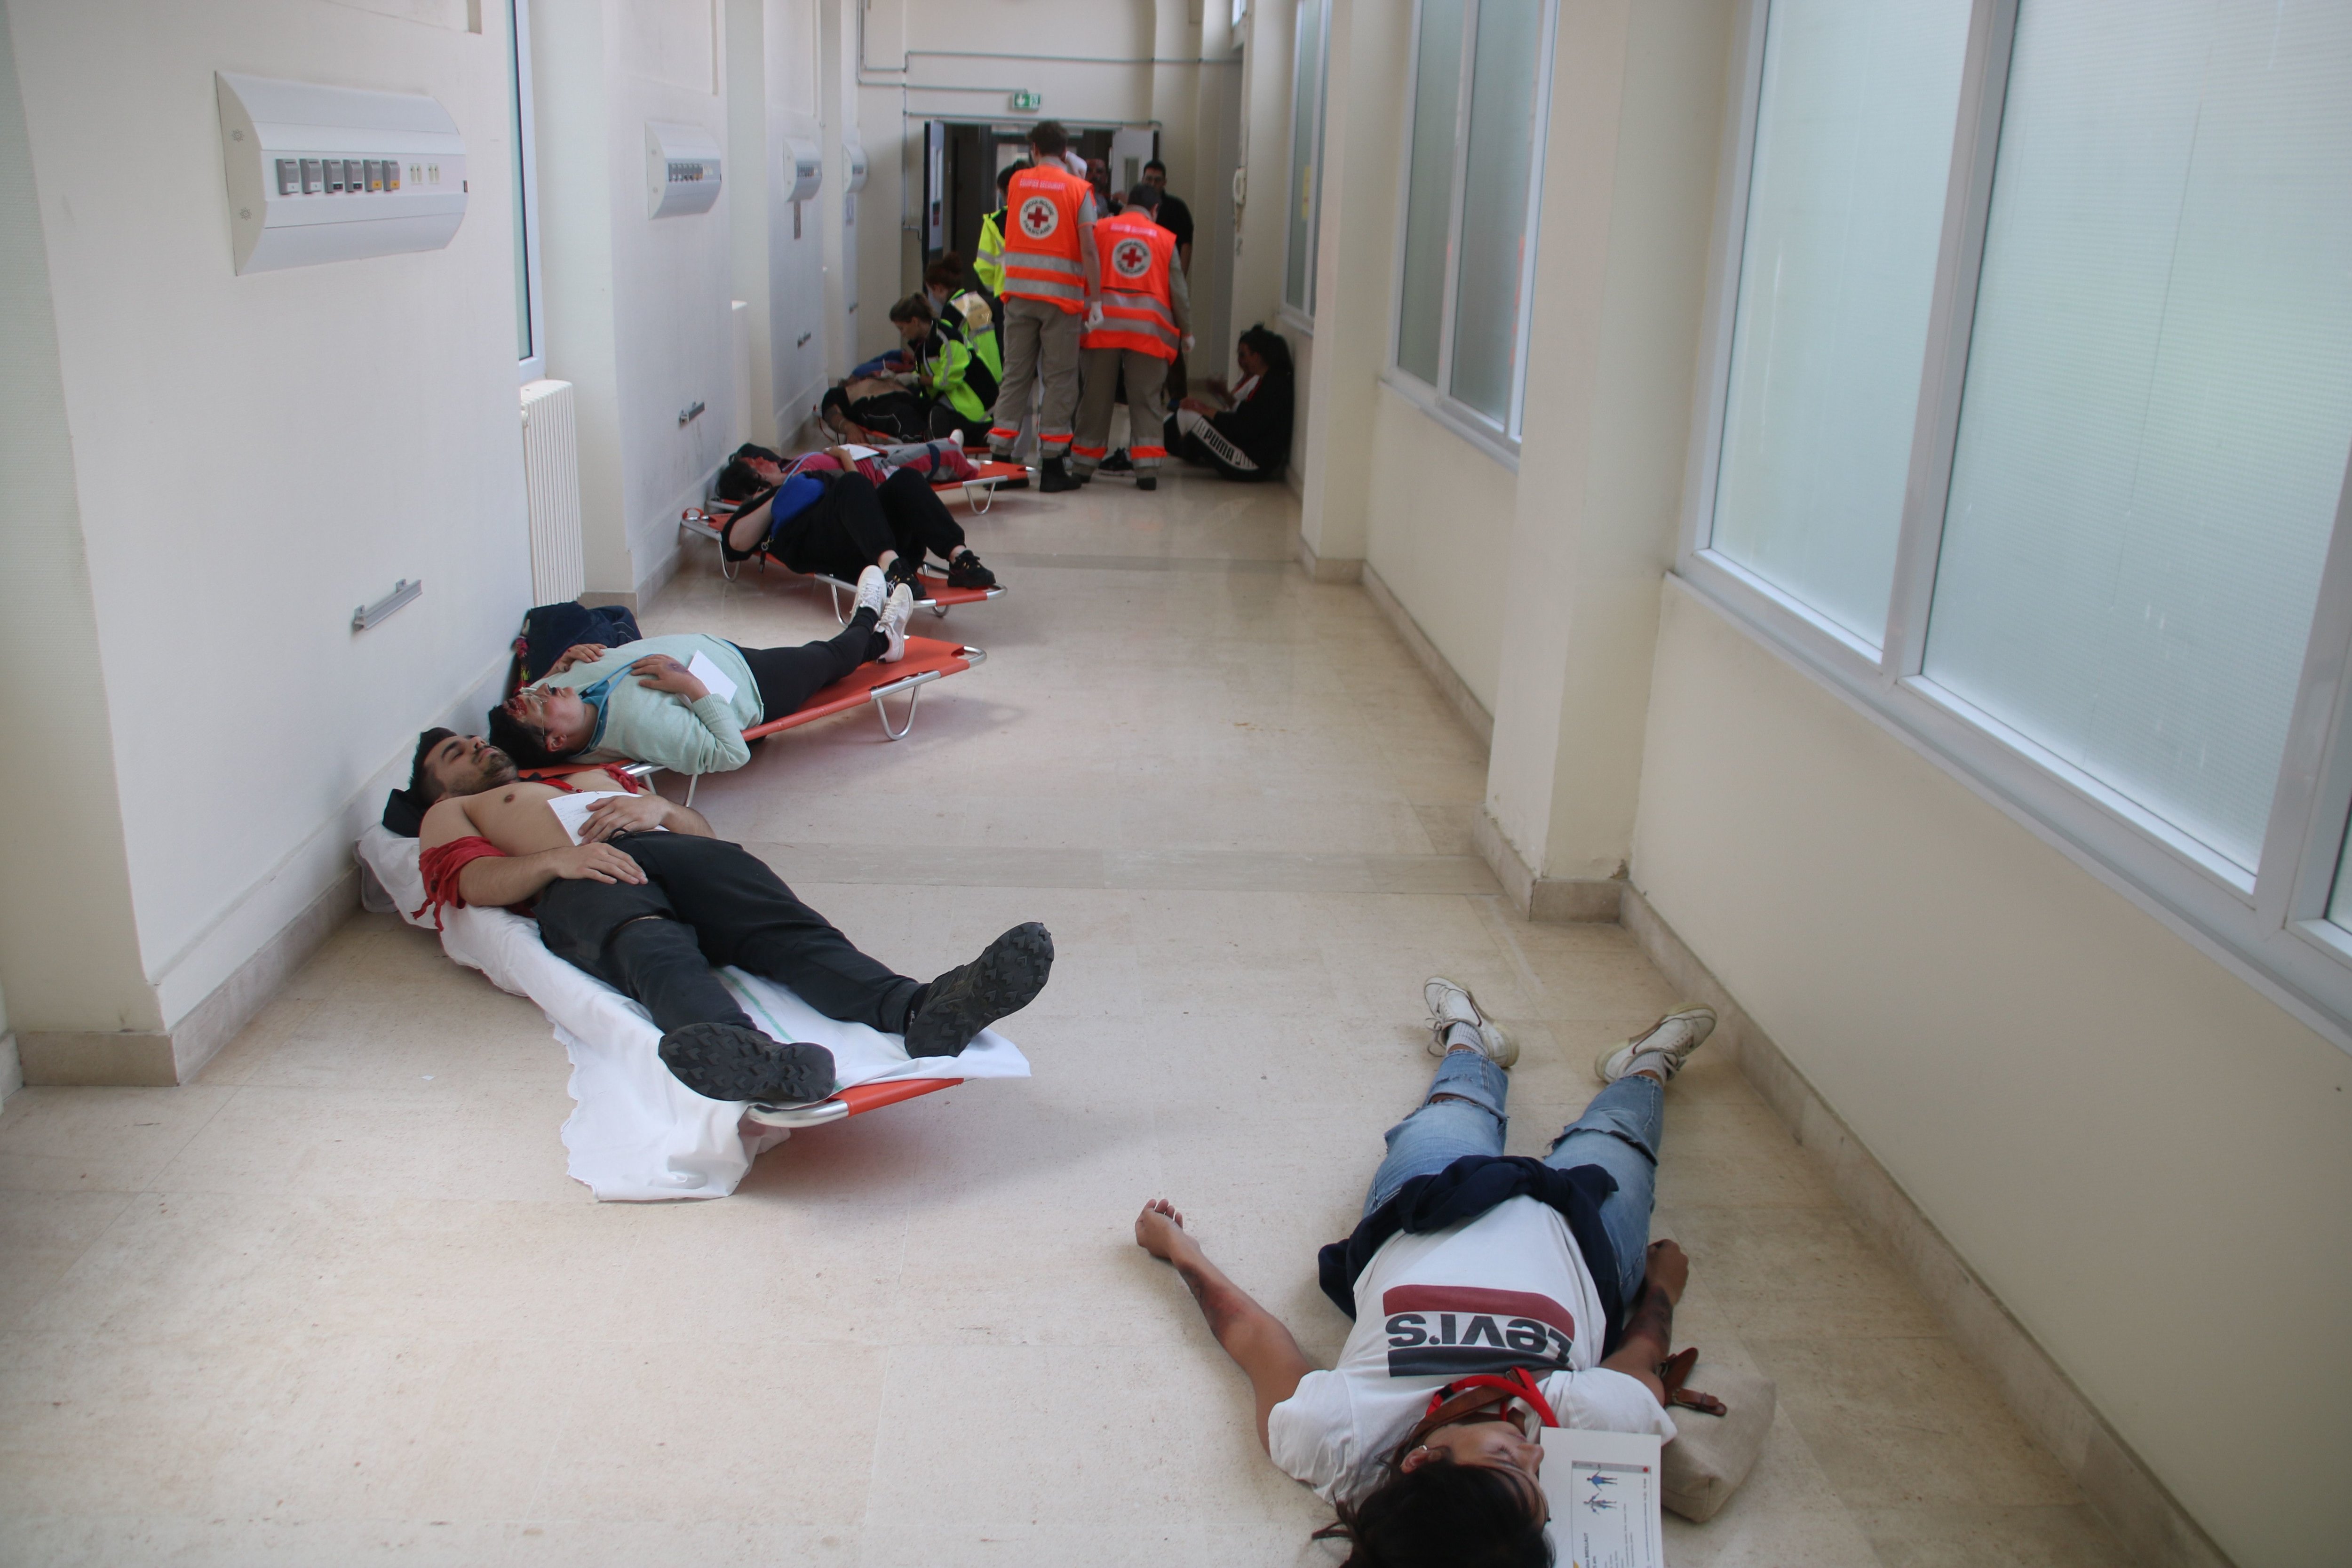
x=323, y=173
x=681, y=169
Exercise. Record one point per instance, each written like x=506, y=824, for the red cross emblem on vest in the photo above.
x=1040, y=217
x=1131, y=258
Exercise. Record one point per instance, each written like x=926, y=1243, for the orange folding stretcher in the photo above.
x=980, y=489
x=855, y=1100
x=928, y=660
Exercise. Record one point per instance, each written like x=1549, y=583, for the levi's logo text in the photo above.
x=1452, y=1330
x=1040, y=217
x=1130, y=258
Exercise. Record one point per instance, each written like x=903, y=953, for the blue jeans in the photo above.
x=1619, y=1132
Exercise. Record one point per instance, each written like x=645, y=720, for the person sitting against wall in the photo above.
x=949, y=371
x=647, y=899
x=835, y=521
x=1249, y=438
x=1556, y=1308
x=644, y=702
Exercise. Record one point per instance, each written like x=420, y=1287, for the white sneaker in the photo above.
x=893, y=623
x=872, y=591
x=1449, y=1004
x=1673, y=1037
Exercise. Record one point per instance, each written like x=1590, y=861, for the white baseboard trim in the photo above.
x=163, y=1057
x=1456, y=691
x=1549, y=901
x=1328, y=568
x=2154, y=1527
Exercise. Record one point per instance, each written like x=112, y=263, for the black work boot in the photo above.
x=1005, y=978
x=1055, y=478
x=727, y=1061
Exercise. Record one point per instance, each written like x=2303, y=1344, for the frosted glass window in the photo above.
x=1305, y=153
x=1429, y=189
x=1495, y=201
x=2158, y=399
x=1837, y=274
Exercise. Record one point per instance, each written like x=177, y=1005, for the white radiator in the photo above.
x=550, y=467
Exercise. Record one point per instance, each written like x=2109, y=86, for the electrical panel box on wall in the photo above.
x=320, y=173
x=802, y=168
x=853, y=155
x=681, y=169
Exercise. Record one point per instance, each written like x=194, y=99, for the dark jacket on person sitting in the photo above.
x=1260, y=424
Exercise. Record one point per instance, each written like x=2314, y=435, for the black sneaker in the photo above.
x=1147, y=481
x=1055, y=478
x=1119, y=462
x=1005, y=978
x=727, y=1061
x=966, y=571
x=906, y=569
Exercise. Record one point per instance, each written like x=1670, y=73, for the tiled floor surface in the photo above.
x=337, y=1302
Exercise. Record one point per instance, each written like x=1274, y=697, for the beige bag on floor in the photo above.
x=1711, y=1454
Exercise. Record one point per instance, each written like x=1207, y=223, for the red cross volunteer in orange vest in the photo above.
x=1053, y=282
x=1146, y=316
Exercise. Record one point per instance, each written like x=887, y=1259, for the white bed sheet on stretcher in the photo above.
x=635, y=1133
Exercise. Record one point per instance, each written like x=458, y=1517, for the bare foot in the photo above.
x=1159, y=1231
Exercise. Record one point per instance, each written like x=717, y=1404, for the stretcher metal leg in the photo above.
x=980, y=497
x=914, y=701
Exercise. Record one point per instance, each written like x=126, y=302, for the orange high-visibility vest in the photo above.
x=1135, y=254
x=1041, y=210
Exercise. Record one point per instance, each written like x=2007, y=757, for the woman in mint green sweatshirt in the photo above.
x=683, y=701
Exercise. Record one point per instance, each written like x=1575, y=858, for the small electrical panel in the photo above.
x=853, y=155
x=320, y=173
x=682, y=169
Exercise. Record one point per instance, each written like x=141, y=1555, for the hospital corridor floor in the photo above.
x=339, y=1303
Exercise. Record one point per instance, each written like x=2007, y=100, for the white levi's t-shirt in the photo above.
x=1507, y=1289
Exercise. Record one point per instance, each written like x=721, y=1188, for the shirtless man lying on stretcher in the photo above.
x=649, y=902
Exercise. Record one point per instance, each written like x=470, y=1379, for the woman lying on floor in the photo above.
x=1493, y=1296
x=834, y=519
x=645, y=701
x=751, y=469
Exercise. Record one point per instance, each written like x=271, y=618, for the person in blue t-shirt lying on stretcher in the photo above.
x=636, y=891
x=683, y=701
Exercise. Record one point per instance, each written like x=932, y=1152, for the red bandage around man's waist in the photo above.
x=440, y=866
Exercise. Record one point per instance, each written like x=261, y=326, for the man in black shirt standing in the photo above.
x=1175, y=216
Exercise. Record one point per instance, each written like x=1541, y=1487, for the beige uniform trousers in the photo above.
x=1041, y=344
x=1147, y=374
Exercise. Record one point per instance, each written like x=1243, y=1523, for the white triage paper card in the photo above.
x=859, y=454
x=571, y=810
x=705, y=669
x=1604, y=1491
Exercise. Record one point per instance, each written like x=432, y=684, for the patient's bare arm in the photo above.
x=641, y=814
x=1650, y=1334
x=1256, y=1339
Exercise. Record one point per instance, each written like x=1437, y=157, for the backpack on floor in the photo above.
x=549, y=629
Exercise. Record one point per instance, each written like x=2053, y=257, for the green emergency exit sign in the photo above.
x=1028, y=99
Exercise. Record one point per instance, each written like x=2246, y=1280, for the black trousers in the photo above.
x=713, y=903
x=846, y=530
x=788, y=677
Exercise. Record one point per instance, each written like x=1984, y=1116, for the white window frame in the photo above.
x=533, y=366
x=1295, y=315
x=2269, y=927
x=1500, y=440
